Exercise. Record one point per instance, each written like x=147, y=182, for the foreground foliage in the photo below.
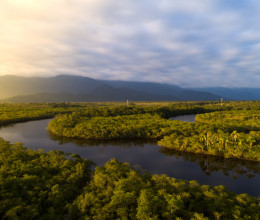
x=119, y=192
x=37, y=185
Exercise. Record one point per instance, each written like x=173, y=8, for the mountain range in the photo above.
x=233, y=93
x=68, y=88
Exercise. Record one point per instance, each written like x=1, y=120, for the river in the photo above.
x=237, y=176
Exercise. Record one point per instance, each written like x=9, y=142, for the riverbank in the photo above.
x=240, y=176
x=208, y=137
x=37, y=185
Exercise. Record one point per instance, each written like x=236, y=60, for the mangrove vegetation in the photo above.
x=233, y=133
x=55, y=185
x=38, y=185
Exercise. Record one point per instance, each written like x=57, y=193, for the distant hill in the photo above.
x=66, y=88
x=102, y=94
x=156, y=88
x=165, y=89
x=233, y=93
x=109, y=93
x=17, y=85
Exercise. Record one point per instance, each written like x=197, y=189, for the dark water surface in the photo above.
x=238, y=176
x=187, y=118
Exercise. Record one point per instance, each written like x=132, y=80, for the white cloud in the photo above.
x=191, y=43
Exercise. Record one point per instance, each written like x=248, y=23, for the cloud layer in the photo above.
x=188, y=43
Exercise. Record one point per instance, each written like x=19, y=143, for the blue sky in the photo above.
x=202, y=43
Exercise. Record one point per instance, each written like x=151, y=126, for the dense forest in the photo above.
x=55, y=185
x=34, y=184
x=38, y=185
x=232, y=130
x=13, y=113
x=234, y=133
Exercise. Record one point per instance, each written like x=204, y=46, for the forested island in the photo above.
x=227, y=133
x=55, y=185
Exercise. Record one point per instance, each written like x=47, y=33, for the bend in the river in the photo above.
x=239, y=176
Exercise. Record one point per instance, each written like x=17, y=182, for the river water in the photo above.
x=237, y=176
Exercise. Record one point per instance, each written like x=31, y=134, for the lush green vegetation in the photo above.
x=13, y=113
x=128, y=126
x=119, y=192
x=232, y=133
x=240, y=120
x=34, y=184
x=217, y=134
x=238, y=145
x=38, y=185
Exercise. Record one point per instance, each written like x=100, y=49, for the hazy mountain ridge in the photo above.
x=16, y=85
x=52, y=97
x=67, y=88
x=233, y=93
x=157, y=88
x=164, y=89
x=107, y=95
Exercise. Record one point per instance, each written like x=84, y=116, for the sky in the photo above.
x=190, y=43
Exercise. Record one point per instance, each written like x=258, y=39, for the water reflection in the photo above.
x=184, y=118
x=209, y=164
x=124, y=143
x=238, y=176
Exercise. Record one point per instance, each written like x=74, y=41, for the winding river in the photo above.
x=238, y=176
